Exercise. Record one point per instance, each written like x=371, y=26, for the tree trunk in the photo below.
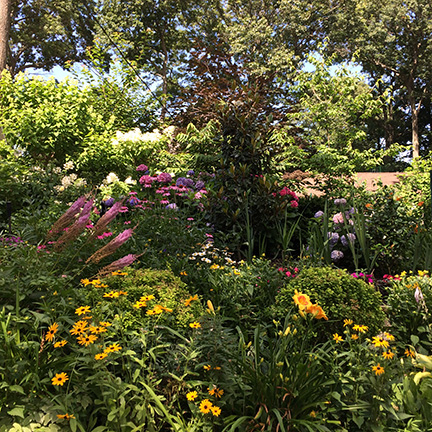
x=415, y=110
x=5, y=12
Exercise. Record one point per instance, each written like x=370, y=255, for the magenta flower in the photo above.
x=142, y=167
x=164, y=178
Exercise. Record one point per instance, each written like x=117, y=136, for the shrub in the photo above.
x=409, y=302
x=339, y=294
x=160, y=287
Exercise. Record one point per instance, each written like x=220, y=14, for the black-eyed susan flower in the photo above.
x=380, y=342
x=60, y=344
x=215, y=410
x=97, y=329
x=195, y=325
x=389, y=336
x=86, y=339
x=112, y=294
x=388, y=355
x=79, y=328
x=360, y=328
x=105, y=324
x=337, y=338
x=409, y=352
x=113, y=348
x=378, y=369
x=205, y=406
x=52, y=330
x=101, y=356
x=348, y=322
x=192, y=395
x=354, y=336
x=147, y=298
x=60, y=379
x=83, y=310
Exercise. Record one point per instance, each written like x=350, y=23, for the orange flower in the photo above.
x=301, y=300
x=368, y=205
x=51, y=332
x=420, y=203
x=316, y=311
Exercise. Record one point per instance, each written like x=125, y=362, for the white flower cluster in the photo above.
x=137, y=136
x=70, y=180
x=209, y=254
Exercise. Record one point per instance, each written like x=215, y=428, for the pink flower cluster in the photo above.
x=288, y=192
x=368, y=277
x=292, y=272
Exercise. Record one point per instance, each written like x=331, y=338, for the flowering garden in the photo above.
x=145, y=289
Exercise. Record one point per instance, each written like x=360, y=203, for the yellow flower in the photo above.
x=236, y=272
x=191, y=299
x=378, y=369
x=105, y=324
x=301, y=300
x=380, y=342
x=191, y=396
x=60, y=344
x=207, y=367
x=347, y=322
x=183, y=273
x=389, y=336
x=388, y=355
x=85, y=282
x=65, y=416
x=139, y=304
x=337, y=338
x=205, y=406
x=113, y=348
x=52, y=330
x=195, y=325
x=354, y=336
x=147, y=298
x=312, y=414
x=112, y=294
x=409, y=352
x=60, y=379
x=214, y=267
x=218, y=393
x=86, y=339
x=97, y=329
x=215, y=410
x=100, y=356
x=83, y=310
x=360, y=328
x=79, y=328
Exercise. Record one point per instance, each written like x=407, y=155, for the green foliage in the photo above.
x=409, y=302
x=340, y=295
x=49, y=121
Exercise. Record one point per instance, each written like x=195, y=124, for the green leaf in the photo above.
x=17, y=411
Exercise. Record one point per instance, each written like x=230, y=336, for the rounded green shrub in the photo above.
x=163, y=291
x=339, y=294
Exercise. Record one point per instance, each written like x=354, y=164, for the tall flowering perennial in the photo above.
x=118, y=264
x=106, y=218
x=111, y=247
x=67, y=218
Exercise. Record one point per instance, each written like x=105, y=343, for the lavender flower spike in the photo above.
x=67, y=218
x=112, y=246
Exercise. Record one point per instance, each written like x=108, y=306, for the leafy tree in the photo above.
x=46, y=33
x=46, y=120
x=391, y=39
